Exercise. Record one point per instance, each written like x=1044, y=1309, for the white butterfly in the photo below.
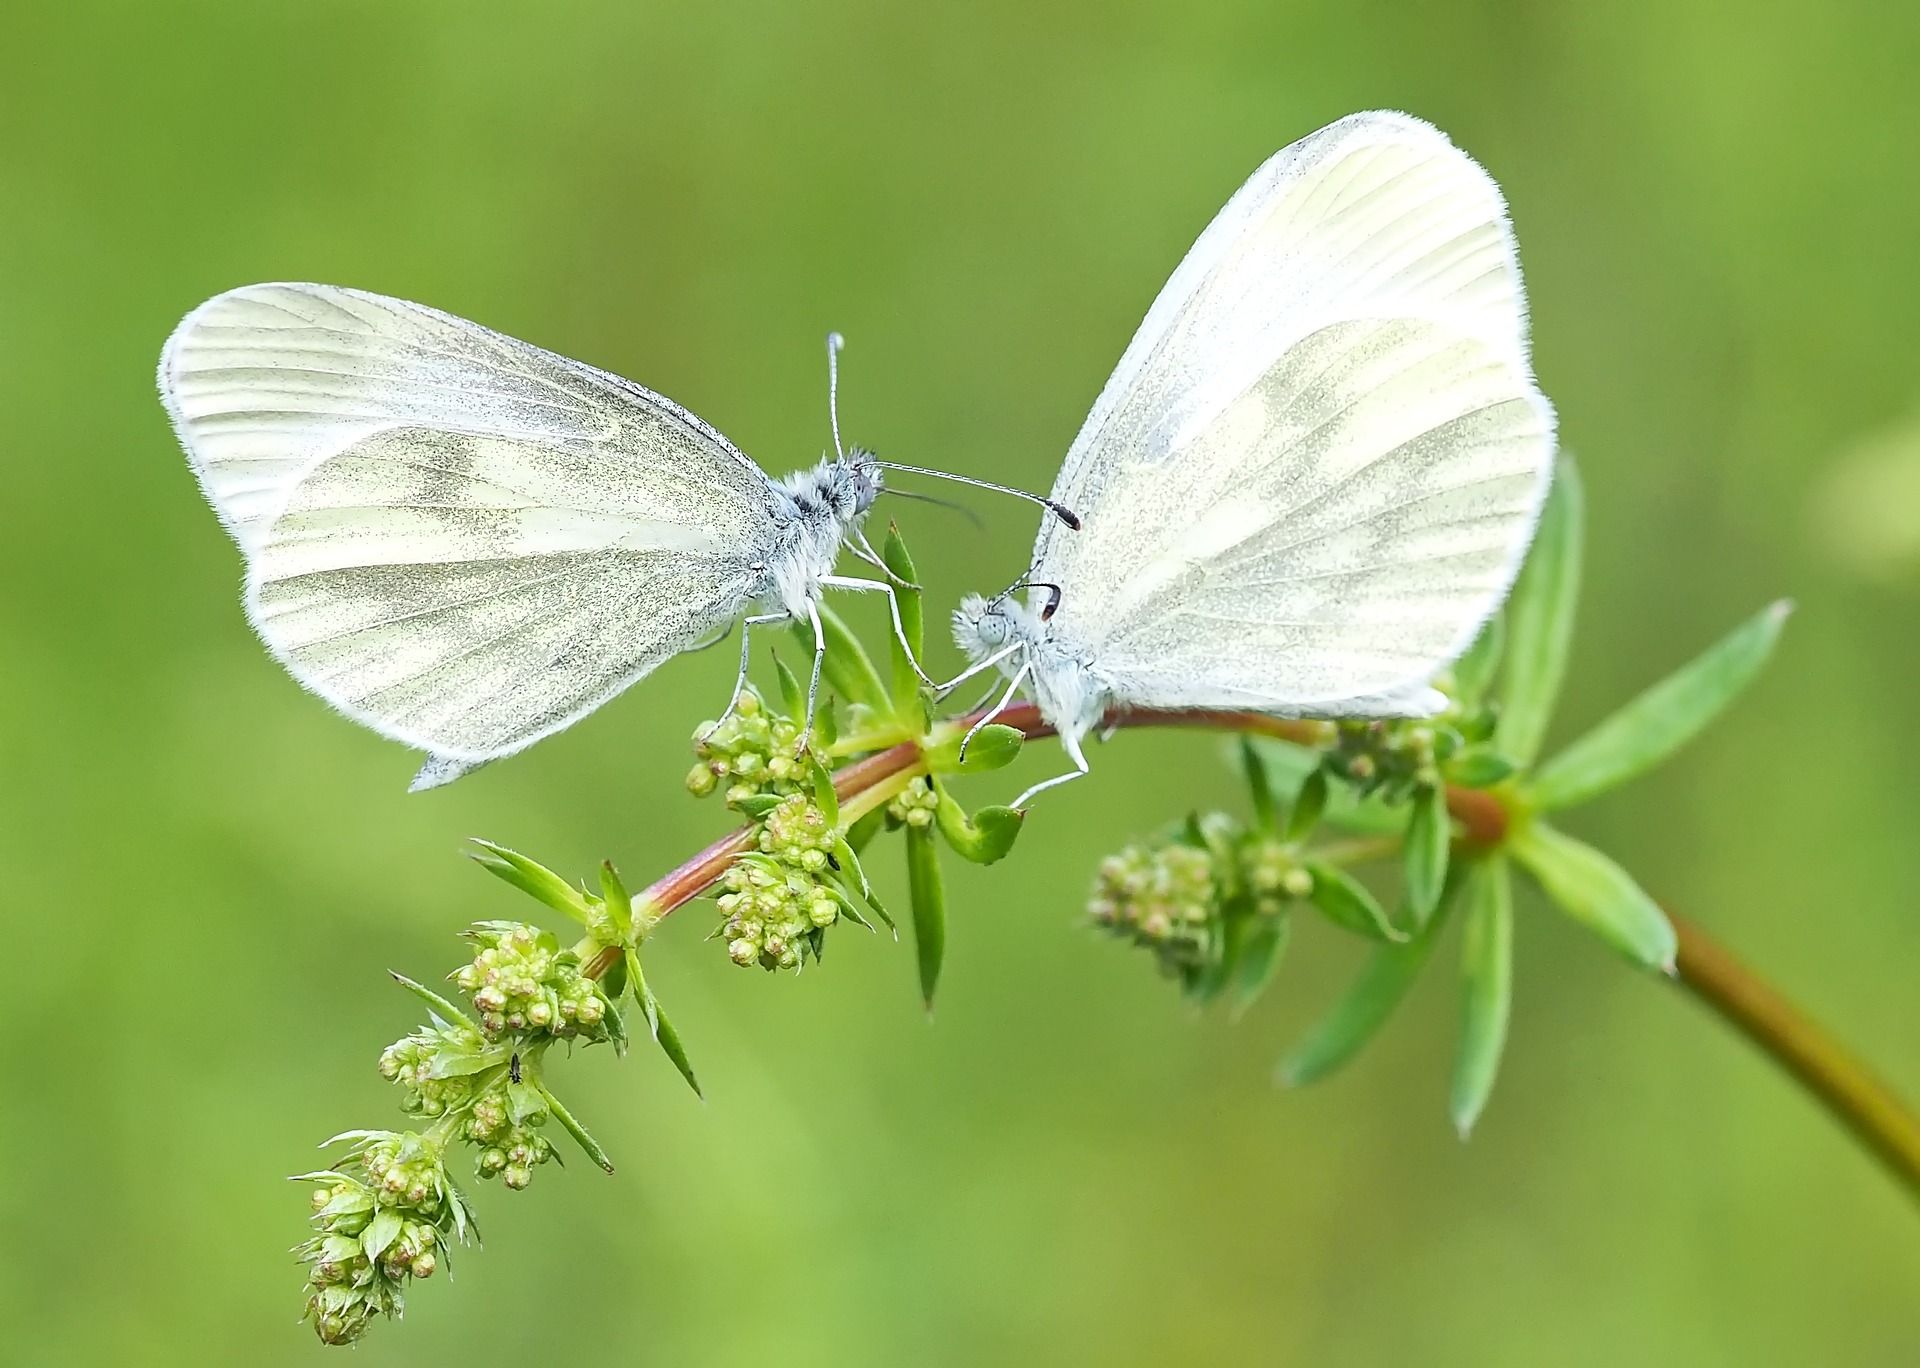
x=467, y=543
x=1315, y=471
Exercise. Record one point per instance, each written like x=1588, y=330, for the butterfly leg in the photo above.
x=740, y=680
x=813, y=680
x=1005, y=700
x=1072, y=746
x=857, y=543
x=942, y=690
x=893, y=604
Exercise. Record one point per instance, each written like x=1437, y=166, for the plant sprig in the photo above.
x=1446, y=808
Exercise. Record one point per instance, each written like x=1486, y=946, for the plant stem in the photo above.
x=1843, y=1085
x=1837, y=1080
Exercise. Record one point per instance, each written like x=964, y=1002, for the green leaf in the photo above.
x=824, y=796
x=617, y=1019
x=661, y=1029
x=1596, y=892
x=466, y=1063
x=1347, y=903
x=1486, y=982
x=848, y=908
x=380, y=1233
x=1663, y=719
x=904, y=677
x=993, y=747
x=1540, y=619
x=1308, y=805
x=1264, y=814
x=1365, y=1007
x=793, y=698
x=530, y=877
x=851, y=870
x=1473, y=672
x=1429, y=839
x=756, y=807
x=575, y=1129
x=438, y=1005
x=1478, y=768
x=1259, y=958
x=864, y=830
x=848, y=667
x=982, y=838
x=929, y=898
x=619, y=902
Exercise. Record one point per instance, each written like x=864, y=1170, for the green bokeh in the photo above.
x=208, y=872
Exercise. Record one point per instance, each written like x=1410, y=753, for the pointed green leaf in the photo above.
x=1486, y=982
x=1473, y=672
x=993, y=747
x=793, y=698
x=756, y=807
x=1595, y=891
x=864, y=830
x=848, y=667
x=616, y=1019
x=1309, y=804
x=619, y=903
x=1429, y=839
x=848, y=909
x=824, y=796
x=575, y=1129
x=1365, y=1007
x=661, y=1029
x=903, y=677
x=1663, y=719
x=1347, y=903
x=1540, y=618
x=380, y=1233
x=442, y=1008
x=853, y=874
x=929, y=898
x=1264, y=814
x=1478, y=768
x=530, y=877
x=983, y=838
x=1259, y=958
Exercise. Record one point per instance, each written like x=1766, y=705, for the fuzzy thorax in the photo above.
x=819, y=508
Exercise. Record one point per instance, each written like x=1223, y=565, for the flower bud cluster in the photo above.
x=1163, y=897
x=1177, y=896
x=415, y=1063
x=509, y=1150
x=524, y=984
x=1392, y=758
x=754, y=751
x=915, y=806
x=1274, y=875
x=381, y=1219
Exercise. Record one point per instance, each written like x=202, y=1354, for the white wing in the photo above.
x=264, y=380
x=1315, y=471
x=456, y=538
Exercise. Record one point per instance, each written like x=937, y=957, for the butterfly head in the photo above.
x=987, y=626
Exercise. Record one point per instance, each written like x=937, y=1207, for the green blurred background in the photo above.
x=208, y=873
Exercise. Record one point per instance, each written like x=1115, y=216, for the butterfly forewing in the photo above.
x=462, y=540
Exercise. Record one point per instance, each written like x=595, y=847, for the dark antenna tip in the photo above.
x=1065, y=514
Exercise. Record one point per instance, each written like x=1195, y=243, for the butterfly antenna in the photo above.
x=834, y=343
x=918, y=497
x=1059, y=510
